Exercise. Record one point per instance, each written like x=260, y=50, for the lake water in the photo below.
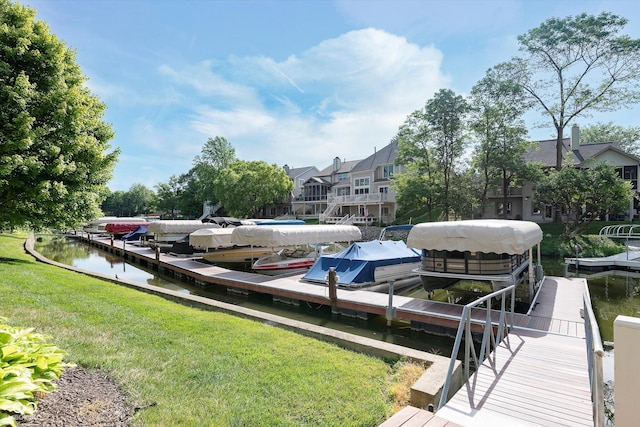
x=81, y=255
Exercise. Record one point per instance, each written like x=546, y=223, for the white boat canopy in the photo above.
x=482, y=235
x=211, y=238
x=177, y=226
x=286, y=235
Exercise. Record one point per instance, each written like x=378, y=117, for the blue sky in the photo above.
x=294, y=82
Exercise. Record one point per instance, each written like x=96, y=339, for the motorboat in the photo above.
x=98, y=226
x=140, y=233
x=118, y=229
x=167, y=232
x=499, y=251
x=296, y=246
x=374, y=265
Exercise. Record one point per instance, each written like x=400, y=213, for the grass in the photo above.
x=192, y=367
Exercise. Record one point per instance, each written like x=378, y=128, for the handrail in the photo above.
x=595, y=353
x=620, y=231
x=488, y=337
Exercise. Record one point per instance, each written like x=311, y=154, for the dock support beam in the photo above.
x=333, y=291
x=391, y=312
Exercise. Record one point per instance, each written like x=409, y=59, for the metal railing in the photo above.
x=489, y=339
x=595, y=353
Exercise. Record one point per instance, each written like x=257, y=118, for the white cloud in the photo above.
x=340, y=98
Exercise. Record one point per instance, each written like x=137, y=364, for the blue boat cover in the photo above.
x=358, y=262
x=136, y=234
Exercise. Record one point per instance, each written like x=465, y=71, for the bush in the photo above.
x=28, y=366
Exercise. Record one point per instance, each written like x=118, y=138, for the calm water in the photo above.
x=81, y=255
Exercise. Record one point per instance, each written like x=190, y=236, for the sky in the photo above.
x=294, y=82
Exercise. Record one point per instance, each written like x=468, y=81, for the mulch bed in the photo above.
x=84, y=398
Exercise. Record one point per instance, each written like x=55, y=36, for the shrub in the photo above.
x=28, y=366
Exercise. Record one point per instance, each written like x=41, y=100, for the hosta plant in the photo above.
x=28, y=366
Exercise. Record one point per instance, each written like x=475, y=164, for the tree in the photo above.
x=139, y=200
x=497, y=109
x=54, y=159
x=445, y=114
x=246, y=187
x=577, y=65
x=169, y=195
x=217, y=154
x=431, y=144
x=585, y=195
x=629, y=138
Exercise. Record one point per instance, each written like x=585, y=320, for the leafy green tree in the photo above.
x=431, y=143
x=139, y=200
x=585, y=195
x=54, y=159
x=217, y=154
x=244, y=188
x=420, y=184
x=629, y=138
x=576, y=65
x=496, y=120
x=168, y=195
x=446, y=113
x=114, y=203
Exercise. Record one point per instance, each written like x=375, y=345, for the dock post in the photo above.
x=157, y=258
x=390, y=310
x=333, y=291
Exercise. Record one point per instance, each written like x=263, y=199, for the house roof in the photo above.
x=545, y=152
x=294, y=172
x=345, y=167
x=386, y=156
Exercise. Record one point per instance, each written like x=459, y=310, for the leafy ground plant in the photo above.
x=28, y=366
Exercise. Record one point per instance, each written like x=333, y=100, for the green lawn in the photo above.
x=192, y=367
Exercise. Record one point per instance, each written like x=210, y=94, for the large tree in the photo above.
x=244, y=188
x=431, y=143
x=496, y=120
x=216, y=155
x=577, y=65
x=54, y=144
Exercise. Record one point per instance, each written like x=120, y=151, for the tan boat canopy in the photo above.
x=177, y=226
x=286, y=235
x=482, y=235
x=211, y=238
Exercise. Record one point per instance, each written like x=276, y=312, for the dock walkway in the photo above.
x=533, y=378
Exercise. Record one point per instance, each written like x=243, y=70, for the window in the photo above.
x=342, y=177
x=387, y=171
x=361, y=186
x=384, y=189
x=500, y=208
x=630, y=173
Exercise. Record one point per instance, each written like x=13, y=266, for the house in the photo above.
x=312, y=202
x=521, y=202
x=356, y=192
x=299, y=176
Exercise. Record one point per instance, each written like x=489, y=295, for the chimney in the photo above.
x=336, y=164
x=575, y=138
x=286, y=169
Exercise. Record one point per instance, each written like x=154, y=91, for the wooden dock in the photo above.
x=533, y=378
x=537, y=376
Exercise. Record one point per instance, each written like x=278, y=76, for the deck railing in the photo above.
x=489, y=340
x=595, y=353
